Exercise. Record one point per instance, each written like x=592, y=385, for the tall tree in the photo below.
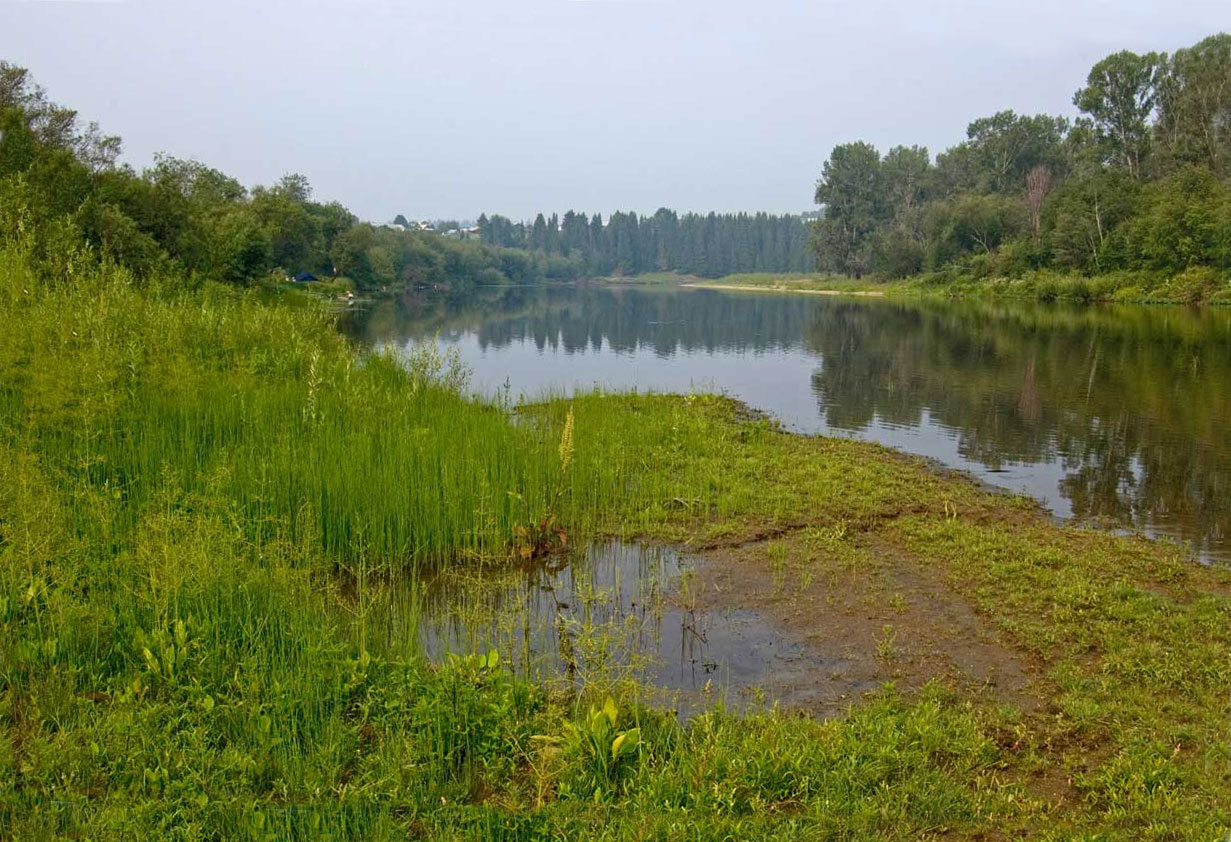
x=538, y=234
x=1120, y=96
x=1195, y=105
x=1001, y=149
x=907, y=175
x=851, y=191
x=1038, y=185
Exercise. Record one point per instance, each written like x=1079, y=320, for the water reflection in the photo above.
x=1113, y=414
x=613, y=610
x=1127, y=403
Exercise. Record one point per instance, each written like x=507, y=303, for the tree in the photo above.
x=59, y=181
x=294, y=187
x=1000, y=150
x=96, y=150
x=1038, y=185
x=898, y=253
x=907, y=175
x=598, y=242
x=852, y=193
x=908, y=182
x=53, y=125
x=553, y=234
x=1120, y=96
x=18, y=144
x=294, y=234
x=118, y=238
x=332, y=220
x=574, y=234
x=350, y=255
x=975, y=223
x=1080, y=217
x=238, y=246
x=538, y=234
x=1194, y=103
x=381, y=265
x=1180, y=221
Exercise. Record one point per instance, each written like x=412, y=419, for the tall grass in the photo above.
x=129, y=392
x=183, y=474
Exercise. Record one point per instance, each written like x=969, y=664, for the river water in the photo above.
x=1116, y=416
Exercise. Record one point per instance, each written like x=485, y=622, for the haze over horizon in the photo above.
x=439, y=112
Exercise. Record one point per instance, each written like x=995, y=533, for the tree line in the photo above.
x=62, y=185
x=1140, y=181
x=710, y=245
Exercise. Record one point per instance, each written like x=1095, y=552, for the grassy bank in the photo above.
x=767, y=281
x=201, y=492
x=1199, y=285
x=795, y=282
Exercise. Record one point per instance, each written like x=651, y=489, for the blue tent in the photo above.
x=304, y=277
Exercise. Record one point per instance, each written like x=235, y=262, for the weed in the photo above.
x=601, y=757
x=886, y=644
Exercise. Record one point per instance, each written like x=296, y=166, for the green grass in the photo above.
x=649, y=278
x=201, y=491
x=267, y=407
x=1136, y=645
x=771, y=281
x=794, y=282
x=1198, y=285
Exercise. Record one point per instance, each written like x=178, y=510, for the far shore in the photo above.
x=868, y=293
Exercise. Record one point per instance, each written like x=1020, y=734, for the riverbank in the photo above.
x=205, y=498
x=820, y=284
x=1199, y=285
x=869, y=293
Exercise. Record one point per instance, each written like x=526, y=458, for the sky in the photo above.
x=449, y=109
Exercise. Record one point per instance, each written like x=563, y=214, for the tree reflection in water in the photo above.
x=1128, y=404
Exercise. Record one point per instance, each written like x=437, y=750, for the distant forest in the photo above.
x=63, y=183
x=710, y=245
x=1138, y=183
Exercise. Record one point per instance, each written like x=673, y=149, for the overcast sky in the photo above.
x=451, y=108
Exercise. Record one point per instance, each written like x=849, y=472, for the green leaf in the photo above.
x=626, y=743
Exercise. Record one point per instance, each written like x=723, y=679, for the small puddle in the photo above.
x=613, y=610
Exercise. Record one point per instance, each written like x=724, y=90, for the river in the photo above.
x=1114, y=416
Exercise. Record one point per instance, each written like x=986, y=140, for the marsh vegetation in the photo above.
x=259, y=581
x=188, y=617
